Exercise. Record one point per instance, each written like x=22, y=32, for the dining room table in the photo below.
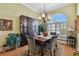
x=42, y=40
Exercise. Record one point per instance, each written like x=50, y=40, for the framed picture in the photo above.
x=6, y=25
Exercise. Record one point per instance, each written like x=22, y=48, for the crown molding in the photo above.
x=26, y=5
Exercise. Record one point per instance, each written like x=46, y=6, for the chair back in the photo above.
x=31, y=43
x=53, y=33
x=53, y=42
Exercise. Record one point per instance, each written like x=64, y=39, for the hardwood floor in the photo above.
x=68, y=51
x=15, y=52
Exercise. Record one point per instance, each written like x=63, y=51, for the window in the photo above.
x=58, y=24
x=51, y=27
x=63, y=28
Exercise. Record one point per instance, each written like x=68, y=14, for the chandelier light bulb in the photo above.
x=43, y=15
x=39, y=17
x=49, y=17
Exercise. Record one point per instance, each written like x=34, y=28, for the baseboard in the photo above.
x=62, y=41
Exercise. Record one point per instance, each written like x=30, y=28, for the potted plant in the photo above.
x=43, y=28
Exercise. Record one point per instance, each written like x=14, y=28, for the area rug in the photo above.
x=59, y=51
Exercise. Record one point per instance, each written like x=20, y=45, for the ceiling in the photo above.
x=39, y=7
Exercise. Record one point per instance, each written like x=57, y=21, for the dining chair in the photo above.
x=32, y=47
x=52, y=45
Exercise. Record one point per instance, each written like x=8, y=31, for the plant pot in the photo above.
x=45, y=34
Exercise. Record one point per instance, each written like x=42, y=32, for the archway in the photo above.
x=58, y=24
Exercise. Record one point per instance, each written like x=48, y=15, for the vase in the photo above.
x=45, y=34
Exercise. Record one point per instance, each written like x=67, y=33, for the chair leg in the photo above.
x=50, y=53
x=56, y=45
x=54, y=52
x=28, y=52
x=33, y=54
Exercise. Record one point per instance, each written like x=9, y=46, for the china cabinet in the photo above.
x=26, y=28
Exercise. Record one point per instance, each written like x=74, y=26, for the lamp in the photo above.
x=44, y=15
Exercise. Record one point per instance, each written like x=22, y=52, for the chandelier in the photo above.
x=44, y=15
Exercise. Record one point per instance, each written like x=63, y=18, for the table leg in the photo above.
x=42, y=48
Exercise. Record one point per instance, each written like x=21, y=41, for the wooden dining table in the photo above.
x=42, y=40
